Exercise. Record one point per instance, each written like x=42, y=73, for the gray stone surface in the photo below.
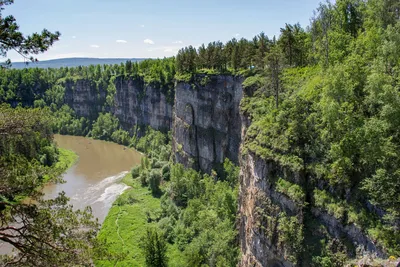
x=134, y=103
x=207, y=123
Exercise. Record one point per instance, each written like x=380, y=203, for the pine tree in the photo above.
x=13, y=39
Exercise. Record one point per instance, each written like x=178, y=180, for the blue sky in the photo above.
x=151, y=28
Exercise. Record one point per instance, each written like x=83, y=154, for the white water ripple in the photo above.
x=104, y=191
x=111, y=192
x=105, y=182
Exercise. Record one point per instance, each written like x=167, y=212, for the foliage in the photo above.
x=104, y=127
x=121, y=137
x=132, y=208
x=323, y=103
x=155, y=249
x=154, y=181
x=13, y=39
x=43, y=232
x=293, y=191
x=65, y=121
x=153, y=143
x=290, y=237
x=204, y=228
x=335, y=117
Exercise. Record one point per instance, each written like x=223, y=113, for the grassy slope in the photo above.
x=127, y=220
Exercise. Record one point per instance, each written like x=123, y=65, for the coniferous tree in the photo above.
x=155, y=249
x=274, y=61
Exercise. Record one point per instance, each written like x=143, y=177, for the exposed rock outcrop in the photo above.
x=207, y=121
x=84, y=97
x=258, y=201
x=134, y=103
x=264, y=238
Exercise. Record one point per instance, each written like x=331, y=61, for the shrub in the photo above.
x=143, y=177
x=135, y=172
x=166, y=172
x=154, y=181
x=294, y=191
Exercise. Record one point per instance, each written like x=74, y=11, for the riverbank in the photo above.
x=125, y=226
x=67, y=158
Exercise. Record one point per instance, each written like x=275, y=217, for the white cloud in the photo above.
x=95, y=46
x=148, y=41
x=168, y=50
x=237, y=35
x=177, y=42
x=121, y=41
x=142, y=26
x=74, y=37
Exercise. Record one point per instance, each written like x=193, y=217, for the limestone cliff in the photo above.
x=134, y=102
x=84, y=97
x=207, y=122
x=280, y=228
x=138, y=104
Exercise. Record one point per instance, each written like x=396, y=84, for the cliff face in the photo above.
x=206, y=116
x=276, y=229
x=260, y=207
x=84, y=98
x=137, y=104
x=207, y=122
x=134, y=103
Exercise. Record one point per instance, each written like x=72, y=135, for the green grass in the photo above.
x=66, y=159
x=132, y=209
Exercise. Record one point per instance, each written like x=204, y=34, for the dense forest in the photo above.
x=322, y=101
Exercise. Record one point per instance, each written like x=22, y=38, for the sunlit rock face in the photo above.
x=134, y=103
x=207, y=124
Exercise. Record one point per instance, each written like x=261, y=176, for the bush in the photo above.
x=49, y=156
x=294, y=191
x=166, y=172
x=121, y=137
x=154, y=181
x=157, y=164
x=126, y=199
x=105, y=125
x=143, y=177
x=135, y=172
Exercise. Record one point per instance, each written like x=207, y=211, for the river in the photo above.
x=94, y=180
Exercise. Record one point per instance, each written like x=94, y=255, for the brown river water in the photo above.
x=94, y=180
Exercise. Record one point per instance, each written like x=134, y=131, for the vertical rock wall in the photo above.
x=134, y=103
x=207, y=122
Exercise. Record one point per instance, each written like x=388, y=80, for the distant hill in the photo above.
x=72, y=62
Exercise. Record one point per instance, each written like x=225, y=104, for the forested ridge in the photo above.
x=322, y=103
